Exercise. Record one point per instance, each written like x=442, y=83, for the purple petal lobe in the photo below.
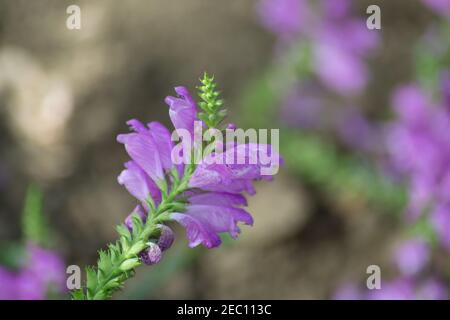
x=412, y=256
x=219, y=199
x=164, y=144
x=138, y=183
x=182, y=110
x=143, y=150
x=197, y=232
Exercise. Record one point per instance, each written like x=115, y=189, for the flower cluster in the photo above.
x=209, y=201
x=411, y=258
x=306, y=108
x=338, y=41
x=41, y=273
x=334, y=45
x=420, y=147
x=399, y=289
x=205, y=197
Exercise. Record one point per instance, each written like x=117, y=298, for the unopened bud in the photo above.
x=166, y=237
x=151, y=255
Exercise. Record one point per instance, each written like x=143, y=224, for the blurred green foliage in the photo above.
x=35, y=228
x=320, y=163
x=432, y=55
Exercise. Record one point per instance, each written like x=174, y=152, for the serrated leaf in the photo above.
x=136, y=248
x=101, y=295
x=129, y=264
x=100, y=274
x=137, y=225
x=124, y=244
x=104, y=262
x=123, y=231
x=91, y=278
x=78, y=295
x=112, y=284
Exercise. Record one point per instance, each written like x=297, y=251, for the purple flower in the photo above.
x=356, y=131
x=412, y=256
x=339, y=64
x=138, y=183
x=337, y=9
x=348, y=291
x=29, y=286
x=401, y=289
x=411, y=103
x=182, y=110
x=164, y=144
x=419, y=145
x=303, y=107
x=285, y=18
x=441, y=7
x=339, y=70
x=8, y=288
x=42, y=271
x=432, y=289
x=211, y=213
x=47, y=265
x=211, y=202
x=205, y=221
x=440, y=220
x=143, y=149
x=216, y=211
x=235, y=169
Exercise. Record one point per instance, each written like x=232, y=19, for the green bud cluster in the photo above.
x=212, y=112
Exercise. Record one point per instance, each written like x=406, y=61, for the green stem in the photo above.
x=103, y=285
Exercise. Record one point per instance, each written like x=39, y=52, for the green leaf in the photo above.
x=91, y=281
x=136, y=248
x=78, y=295
x=137, y=225
x=129, y=264
x=123, y=231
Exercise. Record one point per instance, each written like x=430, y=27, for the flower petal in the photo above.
x=138, y=183
x=163, y=140
x=143, y=150
x=197, y=233
x=183, y=111
x=218, y=198
x=220, y=218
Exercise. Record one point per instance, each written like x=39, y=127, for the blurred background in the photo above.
x=336, y=207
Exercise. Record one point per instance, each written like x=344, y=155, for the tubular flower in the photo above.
x=420, y=148
x=205, y=197
x=340, y=65
x=214, y=207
